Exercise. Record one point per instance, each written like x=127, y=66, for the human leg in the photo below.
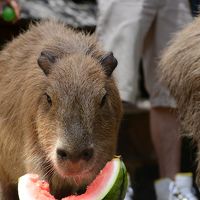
x=172, y=16
x=166, y=140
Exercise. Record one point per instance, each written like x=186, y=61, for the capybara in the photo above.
x=59, y=108
x=180, y=71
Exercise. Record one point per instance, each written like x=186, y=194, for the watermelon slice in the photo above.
x=110, y=184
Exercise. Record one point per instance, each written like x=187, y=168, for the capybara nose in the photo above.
x=85, y=155
x=62, y=154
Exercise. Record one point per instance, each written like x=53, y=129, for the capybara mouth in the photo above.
x=76, y=170
x=77, y=174
x=71, y=183
x=81, y=173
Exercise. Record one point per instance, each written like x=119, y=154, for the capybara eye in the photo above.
x=103, y=100
x=48, y=99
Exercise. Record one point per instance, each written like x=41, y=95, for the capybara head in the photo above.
x=75, y=118
x=180, y=72
x=67, y=106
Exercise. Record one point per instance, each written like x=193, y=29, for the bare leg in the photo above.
x=166, y=140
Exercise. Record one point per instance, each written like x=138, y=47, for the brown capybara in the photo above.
x=180, y=71
x=59, y=109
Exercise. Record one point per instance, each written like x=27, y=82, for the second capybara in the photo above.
x=59, y=109
x=180, y=71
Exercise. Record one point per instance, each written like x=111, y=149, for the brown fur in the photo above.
x=180, y=71
x=30, y=130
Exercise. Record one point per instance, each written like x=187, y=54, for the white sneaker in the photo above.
x=130, y=192
x=162, y=188
x=180, y=189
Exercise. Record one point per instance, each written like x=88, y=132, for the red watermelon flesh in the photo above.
x=30, y=187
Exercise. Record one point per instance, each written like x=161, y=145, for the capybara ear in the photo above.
x=46, y=59
x=109, y=63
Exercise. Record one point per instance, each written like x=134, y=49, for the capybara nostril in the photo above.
x=87, y=154
x=61, y=154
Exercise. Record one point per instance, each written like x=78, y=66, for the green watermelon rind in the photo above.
x=119, y=188
x=125, y=184
x=115, y=178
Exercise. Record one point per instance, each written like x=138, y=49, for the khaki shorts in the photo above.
x=135, y=29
